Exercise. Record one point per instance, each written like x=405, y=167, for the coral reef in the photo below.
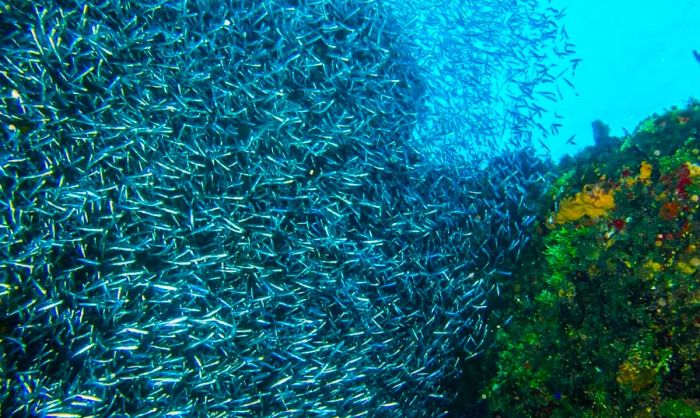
x=607, y=323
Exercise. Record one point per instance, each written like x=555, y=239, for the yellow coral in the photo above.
x=593, y=202
x=653, y=266
x=650, y=269
x=643, y=177
x=685, y=268
x=693, y=169
x=644, y=172
x=635, y=376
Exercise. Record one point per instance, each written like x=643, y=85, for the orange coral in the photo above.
x=593, y=202
x=669, y=211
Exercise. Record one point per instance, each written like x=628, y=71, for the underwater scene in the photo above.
x=349, y=208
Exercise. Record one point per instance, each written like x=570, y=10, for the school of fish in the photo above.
x=238, y=208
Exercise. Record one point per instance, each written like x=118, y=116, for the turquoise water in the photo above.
x=636, y=60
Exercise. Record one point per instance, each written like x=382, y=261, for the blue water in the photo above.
x=636, y=60
x=219, y=208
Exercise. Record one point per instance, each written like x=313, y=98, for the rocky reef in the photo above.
x=606, y=311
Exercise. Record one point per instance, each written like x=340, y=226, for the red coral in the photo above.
x=683, y=181
x=618, y=224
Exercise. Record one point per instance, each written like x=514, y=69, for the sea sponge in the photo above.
x=593, y=202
